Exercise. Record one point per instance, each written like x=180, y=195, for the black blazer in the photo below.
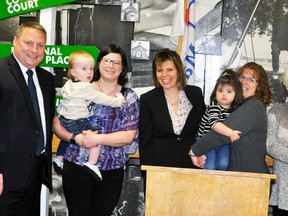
x=158, y=144
x=18, y=127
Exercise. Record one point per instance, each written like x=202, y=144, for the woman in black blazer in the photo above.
x=169, y=114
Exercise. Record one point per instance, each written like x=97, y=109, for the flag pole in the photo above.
x=235, y=51
x=181, y=37
x=179, y=44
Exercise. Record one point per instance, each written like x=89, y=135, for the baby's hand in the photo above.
x=235, y=135
x=78, y=139
x=123, y=101
x=120, y=96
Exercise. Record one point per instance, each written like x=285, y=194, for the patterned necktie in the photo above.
x=33, y=93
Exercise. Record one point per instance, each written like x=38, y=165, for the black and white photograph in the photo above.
x=130, y=12
x=257, y=30
x=57, y=202
x=140, y=50
x=131, y=201
x=92, y=25
x=101, y=2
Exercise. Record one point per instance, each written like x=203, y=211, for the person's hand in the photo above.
x=235, y=135
x=123, y=101
x=89, y=139
x=201, y=161
x=79, y=138
x=120, y=96
x=198, y=161
x=1, y=183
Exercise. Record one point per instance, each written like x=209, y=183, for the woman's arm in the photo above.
x=116, y=139
x=245, y=118
x=126, y=133
x=1, y=183
x=221, y=128
x=213, y=115
x=275, y=148
x=146, y=131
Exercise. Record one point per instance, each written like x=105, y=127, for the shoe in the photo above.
x=57, y=198
x=58, y=166
x=93, y=169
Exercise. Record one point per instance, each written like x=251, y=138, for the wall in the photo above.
x=210, y=14
x=211, y=56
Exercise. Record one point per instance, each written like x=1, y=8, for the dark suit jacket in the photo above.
x=18, y=127
x=158, y=144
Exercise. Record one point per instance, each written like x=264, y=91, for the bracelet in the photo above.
x=191, y=155
x=72, y=139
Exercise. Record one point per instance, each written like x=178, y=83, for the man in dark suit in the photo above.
x=22, y=168
x=279, y=33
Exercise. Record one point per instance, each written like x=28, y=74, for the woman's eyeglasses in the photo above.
x=248, y=79
x=109, y=61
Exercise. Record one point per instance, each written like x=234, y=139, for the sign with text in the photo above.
x=55, y=55
x=11, y=8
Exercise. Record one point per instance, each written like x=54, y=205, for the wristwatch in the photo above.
x=72, y=139
x=191, y=154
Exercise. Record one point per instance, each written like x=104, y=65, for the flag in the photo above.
x=183, y=35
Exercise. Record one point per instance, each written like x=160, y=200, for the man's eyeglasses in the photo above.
x=248, y=79
x=109, y=61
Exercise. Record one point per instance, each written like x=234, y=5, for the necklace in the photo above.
x=104, y=92
x=172, y=103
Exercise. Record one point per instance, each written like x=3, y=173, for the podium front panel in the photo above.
x=175, y=191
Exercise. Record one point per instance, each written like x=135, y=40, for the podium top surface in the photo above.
x=208, y=172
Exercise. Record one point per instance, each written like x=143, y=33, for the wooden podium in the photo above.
x=186, y=192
